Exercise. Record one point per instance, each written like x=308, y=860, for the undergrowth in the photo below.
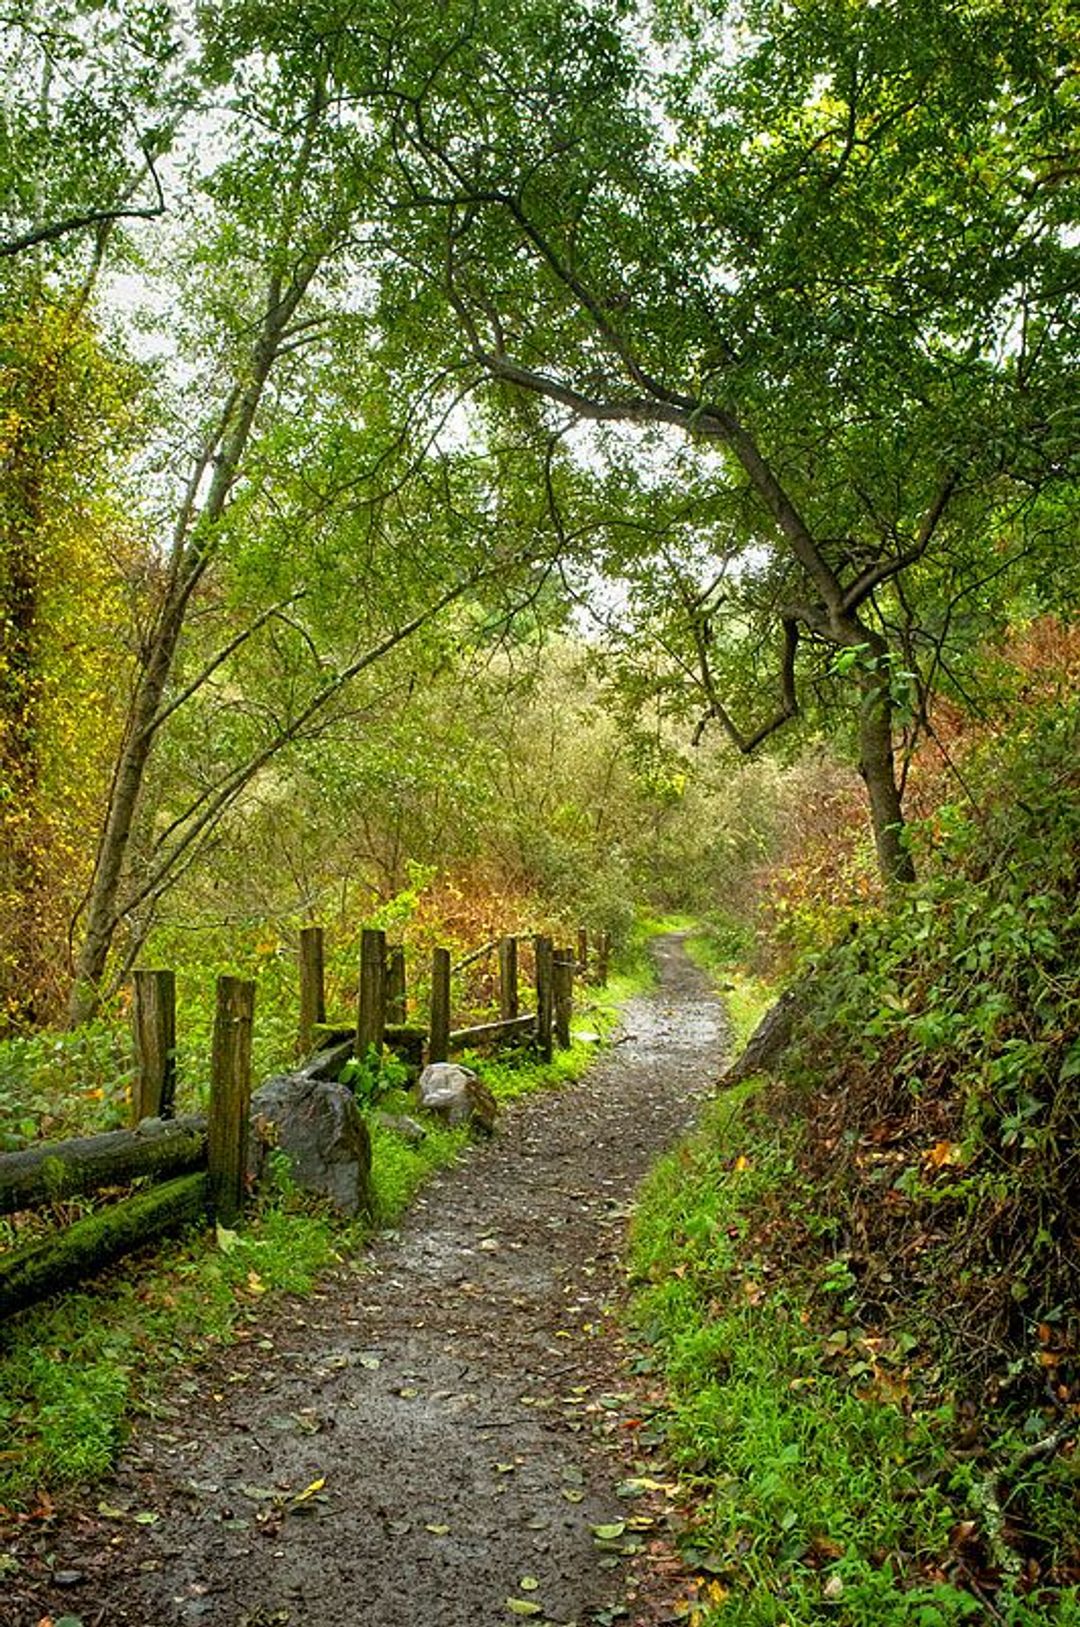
x=940, y=1059
x=825, y=1488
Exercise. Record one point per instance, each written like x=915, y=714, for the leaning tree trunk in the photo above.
x=102, y=913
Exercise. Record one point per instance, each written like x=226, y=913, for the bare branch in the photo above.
x=693, y=417
x=92, y=217
x=216, y=661
x=789, y=703
x=874, y=575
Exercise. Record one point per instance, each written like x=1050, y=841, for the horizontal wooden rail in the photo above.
x=481, y=1033
x=473, y=956
x=52, y=1170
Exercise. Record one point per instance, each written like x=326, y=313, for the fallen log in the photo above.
x=36, y=1270
x=61, y=1169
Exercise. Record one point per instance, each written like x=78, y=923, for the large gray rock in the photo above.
x=317, y=1123
x=456, y=1095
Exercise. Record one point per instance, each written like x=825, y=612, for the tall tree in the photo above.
x=829, y=242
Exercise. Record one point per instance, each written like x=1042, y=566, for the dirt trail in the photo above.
x=457, y=1395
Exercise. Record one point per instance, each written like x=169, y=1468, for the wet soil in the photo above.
x=434, y=1437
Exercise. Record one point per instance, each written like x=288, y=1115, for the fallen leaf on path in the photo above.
x=524, y=1607
x=638, y=1485
x=307, y=1494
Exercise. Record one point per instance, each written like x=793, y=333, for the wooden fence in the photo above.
x=196, y=1166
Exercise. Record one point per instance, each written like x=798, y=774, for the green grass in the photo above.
x=746, y=997
x=73, y=1372
x=817, y=1497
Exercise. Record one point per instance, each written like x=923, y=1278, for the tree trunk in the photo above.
x=877, y=765
x=102, y=915
x=193, y=543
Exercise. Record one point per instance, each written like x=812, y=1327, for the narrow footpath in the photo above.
x=431, y=1438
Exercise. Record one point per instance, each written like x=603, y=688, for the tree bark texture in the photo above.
x=877, y=766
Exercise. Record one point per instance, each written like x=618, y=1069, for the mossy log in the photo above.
x=62, y=1169
x=33, y=1272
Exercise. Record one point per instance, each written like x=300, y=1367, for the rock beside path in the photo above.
x=457, y=1096
x=317, y=1123
x=768, y=1043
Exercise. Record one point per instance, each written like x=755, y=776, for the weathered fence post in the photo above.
x=562, y=988
x=312, y=987
x=603, y=955
x=439, y=1030
x=154, y=1022
x=230, y=1097
x=583, y=950
x=371, y=1004
x=395, y=984
x=508, y=978
x=544, y=1008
